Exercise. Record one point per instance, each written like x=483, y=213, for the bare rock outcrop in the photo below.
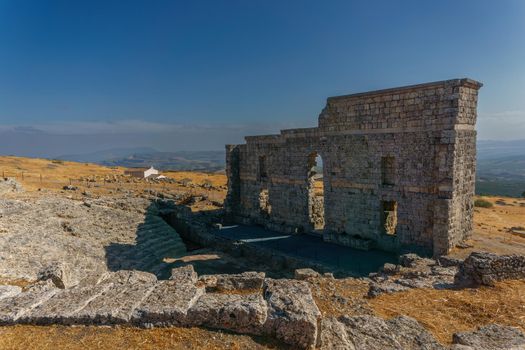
x=374, y=333
x=412, y=272
x=13, y=309
x=491, y=337
x=9, y=185
x=59, y=273
x=293, y=315
x=7, y=291
x=481, y=268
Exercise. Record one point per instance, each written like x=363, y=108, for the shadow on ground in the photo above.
x=159, y=248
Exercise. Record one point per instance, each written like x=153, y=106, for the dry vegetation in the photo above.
x=493, y=227
x=443, y=312
x=112, y=338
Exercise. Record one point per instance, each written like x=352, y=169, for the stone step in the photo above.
x=235, y=312
x=116, y=305
x=168, y=303
x=64, y=306
x=14, y=308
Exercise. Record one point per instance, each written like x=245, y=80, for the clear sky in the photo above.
x=198, y=74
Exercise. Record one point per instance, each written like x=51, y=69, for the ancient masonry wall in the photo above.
x=403, y=158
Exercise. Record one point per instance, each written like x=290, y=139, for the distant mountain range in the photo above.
x=146, y=157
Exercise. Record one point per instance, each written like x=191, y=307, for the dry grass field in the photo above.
x=443, y=312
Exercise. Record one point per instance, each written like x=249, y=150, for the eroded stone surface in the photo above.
x=333, y=336
x=292, y=313
x=64, y=307
x=17, y=307
x=374, y=333
x=241, y=313
x=127, y=290
x=169, y=301
x=492, y=337
x=9, y=291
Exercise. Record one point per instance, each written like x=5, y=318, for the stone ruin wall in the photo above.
x=421, y=137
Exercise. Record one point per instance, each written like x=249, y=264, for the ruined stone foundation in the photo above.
x=398, y=170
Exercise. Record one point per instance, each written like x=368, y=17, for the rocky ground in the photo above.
x=80, y=257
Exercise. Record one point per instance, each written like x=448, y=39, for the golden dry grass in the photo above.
x=444, y=312
x=492, y=228
x=338, y=297
x=43, y=174
x=115, y=338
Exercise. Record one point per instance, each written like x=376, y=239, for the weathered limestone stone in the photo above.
x=59, y=273
x=170, y=300
x=481, y=268
x=398, y=170
x=17, y=307
x=9, y=185
x=245, y=280
x=9, y=291
x=64, y=307
x=413, y=260
x=185, y=273
x=376, y=289
x=302, y=274
x=333, y=336
x=127, y=290
x=292, y=313
x=374, y=333
x=491, y=337
x=241, y=313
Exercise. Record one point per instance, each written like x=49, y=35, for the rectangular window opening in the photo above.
x=389, y=217
x=263, y=174
x=388, y=171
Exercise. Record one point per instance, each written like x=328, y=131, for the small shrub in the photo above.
x=482, y=203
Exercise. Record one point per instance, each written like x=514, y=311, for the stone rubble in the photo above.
x=491, y=337
x=481, y=268
x=373, y=333
x=413, y=272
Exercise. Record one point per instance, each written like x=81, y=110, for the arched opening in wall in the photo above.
x=316, y=191
x=264, y=203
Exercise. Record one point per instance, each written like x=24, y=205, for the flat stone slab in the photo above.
x=127, y=290
x=169, y=301
x=241, y=313
x=292, y=312
x=12, y=309
x=65, y=306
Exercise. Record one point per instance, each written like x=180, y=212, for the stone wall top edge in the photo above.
x=455, y=82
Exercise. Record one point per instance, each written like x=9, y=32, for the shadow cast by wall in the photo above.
x=155, y=240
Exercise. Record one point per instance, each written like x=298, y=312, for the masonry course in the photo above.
x=398, y=170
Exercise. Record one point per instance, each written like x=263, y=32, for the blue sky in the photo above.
x=198, y=74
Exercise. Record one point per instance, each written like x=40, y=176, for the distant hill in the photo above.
x=101, y=156
x=490, y=149
x=146, y=157
x=182, y=160
x=501, y=168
